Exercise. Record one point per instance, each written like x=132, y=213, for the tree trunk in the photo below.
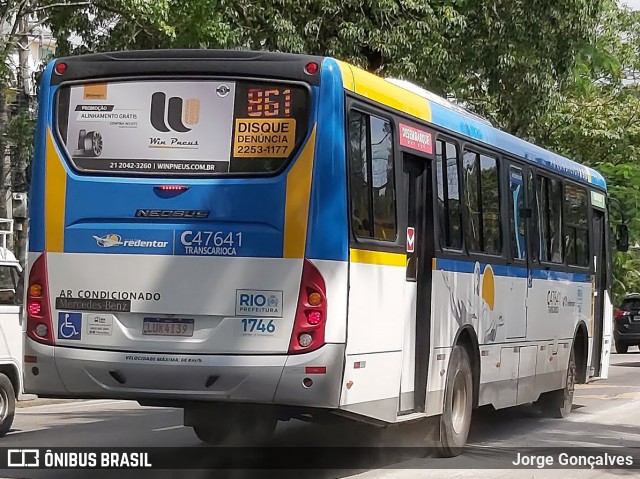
x=19, y=160
x=4, y=164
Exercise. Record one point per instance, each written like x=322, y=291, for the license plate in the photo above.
x=167, y=327
x=636, y=318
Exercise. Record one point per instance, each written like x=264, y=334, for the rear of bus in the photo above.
x=171, y=209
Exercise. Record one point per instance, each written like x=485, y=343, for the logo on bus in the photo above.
x=109, y=241
x=258, y=303
x=553, y=301
x=176, y=116
x=145, y=213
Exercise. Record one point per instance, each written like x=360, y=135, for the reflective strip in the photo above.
x=54, y=200
x=297, y=201
x=378, y=257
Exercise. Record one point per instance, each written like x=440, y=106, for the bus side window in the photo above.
x=383, y=188
x=576, y=230
x=490, y=195
x=549, y=195
x=482, y=203
x=472, y=230
x=533, y=226
x=517, y=213
x=359, y=175
x=373, y=199
x=448, y=207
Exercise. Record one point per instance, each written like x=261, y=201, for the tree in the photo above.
x=596, y=121
x=553, y=72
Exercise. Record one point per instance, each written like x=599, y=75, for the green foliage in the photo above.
x=557, y=72
x=596, y=121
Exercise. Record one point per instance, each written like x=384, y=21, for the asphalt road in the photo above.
x=606, y=414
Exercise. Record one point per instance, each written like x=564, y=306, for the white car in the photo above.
x=10, y=337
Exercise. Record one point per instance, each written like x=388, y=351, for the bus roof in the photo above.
x=427, y=106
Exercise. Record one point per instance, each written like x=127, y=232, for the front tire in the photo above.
x=558, y=403
x=621, y=348
x=7, y=404
x=455, y=420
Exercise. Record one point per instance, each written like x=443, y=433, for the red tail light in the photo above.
x=620, y=313
x=39, y=324
x=311, y=315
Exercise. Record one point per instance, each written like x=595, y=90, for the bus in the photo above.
x=255, y=237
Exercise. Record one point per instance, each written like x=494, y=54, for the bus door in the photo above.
x=599, y=272
x=419, y=243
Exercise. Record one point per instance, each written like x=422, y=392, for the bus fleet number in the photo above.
x=211, y=238
x=250, y=325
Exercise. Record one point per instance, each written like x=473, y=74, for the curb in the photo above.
x=31, y=402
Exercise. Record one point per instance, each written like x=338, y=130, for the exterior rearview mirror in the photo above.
x=622, y=238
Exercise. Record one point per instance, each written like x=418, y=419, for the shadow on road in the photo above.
x=629, y=365
x=492, y=435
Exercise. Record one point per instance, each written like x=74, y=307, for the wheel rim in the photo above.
x=4, y=405
x=459, y=403
x=571, y=380
x=97, y=144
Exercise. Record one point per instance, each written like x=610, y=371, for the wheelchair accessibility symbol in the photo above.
x=70, y=326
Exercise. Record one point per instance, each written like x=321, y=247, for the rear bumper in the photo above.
x=620, y=335
x=271, y=379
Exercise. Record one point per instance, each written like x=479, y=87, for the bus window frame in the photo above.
x=509, y=163
x=589, y=209
x=481, y=256
x=356, y=103
x=564, y=266
x=311, y=107
x=437, y=227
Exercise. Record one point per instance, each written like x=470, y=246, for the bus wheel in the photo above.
x=458, y=404
x=7, y=404
x=558, y=403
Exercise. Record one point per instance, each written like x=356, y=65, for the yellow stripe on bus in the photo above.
x=55, y=189
x=377, y=257
x=297, y=201
x=380, y=90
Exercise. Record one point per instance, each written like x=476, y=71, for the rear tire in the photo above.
x=7, y=404
x=458, y=404
x=558, y=403
x=621, y=348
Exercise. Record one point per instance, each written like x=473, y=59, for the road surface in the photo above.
x=606, y=414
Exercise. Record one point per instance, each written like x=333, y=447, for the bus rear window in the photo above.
x=182, y=127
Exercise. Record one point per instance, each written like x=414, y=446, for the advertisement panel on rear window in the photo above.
x=182, y=127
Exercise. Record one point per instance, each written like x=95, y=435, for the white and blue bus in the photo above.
x=255, y=237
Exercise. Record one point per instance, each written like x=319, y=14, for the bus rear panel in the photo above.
x=168, y=234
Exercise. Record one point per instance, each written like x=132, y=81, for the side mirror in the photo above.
x=622, y=238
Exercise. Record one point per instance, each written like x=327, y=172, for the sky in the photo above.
x=634, y=4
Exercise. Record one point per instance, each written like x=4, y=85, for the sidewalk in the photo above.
x=30, y=400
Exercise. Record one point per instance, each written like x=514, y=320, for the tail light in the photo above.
x=311, y=314
x=620, y=313
x=39, y=324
